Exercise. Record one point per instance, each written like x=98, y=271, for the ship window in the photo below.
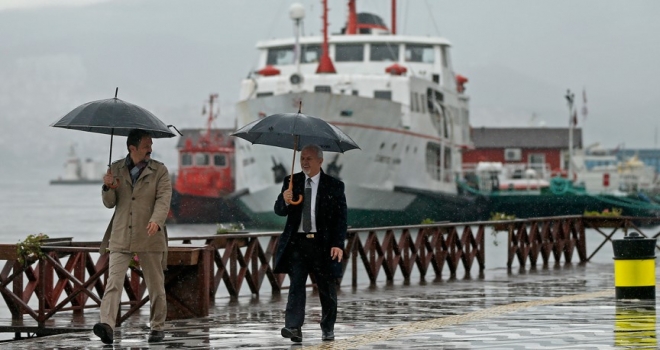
x=323, y=88
x=186, y=159
x=264, y=94
x=415, y=102
x=445, y=56
x=536, y=161
x=422, y=104
x=349, y=52
x=354, y=93
x=310, y=53
x=280, y=55
x=383, y=94
x=384, y=52
x=219, y=160
x=420, y=53
x=201, y=159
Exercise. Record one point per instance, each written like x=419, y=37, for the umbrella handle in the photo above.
x=300, y=198
x=295, y=146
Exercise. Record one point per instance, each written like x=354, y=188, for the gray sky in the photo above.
x=168, y=56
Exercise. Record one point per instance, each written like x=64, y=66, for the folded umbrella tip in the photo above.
x=116, y=90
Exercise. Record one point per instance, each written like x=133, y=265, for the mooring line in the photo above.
x=420, y=326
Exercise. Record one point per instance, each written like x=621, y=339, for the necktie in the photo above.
x=307, y=207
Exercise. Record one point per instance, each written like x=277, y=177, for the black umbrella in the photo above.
x=295, y=131
x=114, y=117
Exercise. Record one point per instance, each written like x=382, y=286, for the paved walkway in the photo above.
x=572, y=307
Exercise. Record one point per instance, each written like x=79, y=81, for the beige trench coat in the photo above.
x=135, y=207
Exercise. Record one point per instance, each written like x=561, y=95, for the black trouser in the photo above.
x=306, y=257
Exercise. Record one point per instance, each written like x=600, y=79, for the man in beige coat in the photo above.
x=140, y=190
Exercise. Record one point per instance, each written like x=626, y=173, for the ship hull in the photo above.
x=187, y=209
x=544, y=205
x=374, y=208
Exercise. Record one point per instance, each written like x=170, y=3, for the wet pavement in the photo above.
x=567, y=307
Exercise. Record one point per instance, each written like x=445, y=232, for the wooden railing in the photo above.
x=72, y=276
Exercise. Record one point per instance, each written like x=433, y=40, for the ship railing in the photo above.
x=543, y=170
x=71, y=276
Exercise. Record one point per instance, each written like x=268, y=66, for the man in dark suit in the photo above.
x=312, y=241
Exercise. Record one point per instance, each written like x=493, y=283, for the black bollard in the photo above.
x=634, y=267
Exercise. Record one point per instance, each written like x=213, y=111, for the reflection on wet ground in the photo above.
x=556, y=308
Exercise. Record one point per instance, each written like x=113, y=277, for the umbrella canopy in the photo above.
x=113, y=117
x=295, y=131
x=280, y=130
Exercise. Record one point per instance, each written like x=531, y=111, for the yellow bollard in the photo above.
x=634, y=267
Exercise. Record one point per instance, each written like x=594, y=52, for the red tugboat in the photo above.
x=206, y=176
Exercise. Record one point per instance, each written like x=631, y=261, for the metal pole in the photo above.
x=570, y=97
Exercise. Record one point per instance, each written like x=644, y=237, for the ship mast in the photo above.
x=209, y=121
x=325, y=63
x=393, y=17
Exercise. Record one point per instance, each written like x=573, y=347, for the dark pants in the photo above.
x=306, y=257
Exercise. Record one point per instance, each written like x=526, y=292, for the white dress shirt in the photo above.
x=315, y=187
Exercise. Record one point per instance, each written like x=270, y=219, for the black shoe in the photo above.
x=104, y=331
x=294, y=333
x=156, y=336
x=330, y=335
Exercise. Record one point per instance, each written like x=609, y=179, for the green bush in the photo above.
x=29, y=249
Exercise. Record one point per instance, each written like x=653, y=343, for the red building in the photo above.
x=532, y=146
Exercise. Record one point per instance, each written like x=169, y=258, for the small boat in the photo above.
x=78, y=172
x=205, y=176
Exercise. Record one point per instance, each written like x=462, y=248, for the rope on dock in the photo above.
x=421, y=326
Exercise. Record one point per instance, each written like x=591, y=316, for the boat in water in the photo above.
x=601, y=184
x=79, y=172
x=396, y=95
x=205, y=176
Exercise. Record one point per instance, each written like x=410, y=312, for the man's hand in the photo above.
x=152, y=228
x=108, y=179
x=336, y=253
x=288, y=196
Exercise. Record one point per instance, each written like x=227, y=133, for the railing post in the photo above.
x=79, y=273
x=41, y=287
x=17, y=287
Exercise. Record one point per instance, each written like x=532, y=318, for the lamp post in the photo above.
x=570, y=97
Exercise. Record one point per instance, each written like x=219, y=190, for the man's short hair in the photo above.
x=317, y=148
x=134, y=138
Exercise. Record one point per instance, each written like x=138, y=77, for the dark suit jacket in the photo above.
x=330, y=220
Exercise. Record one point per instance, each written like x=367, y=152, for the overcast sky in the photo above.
x=520, y=56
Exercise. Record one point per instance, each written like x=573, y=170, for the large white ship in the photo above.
x=396, y=95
